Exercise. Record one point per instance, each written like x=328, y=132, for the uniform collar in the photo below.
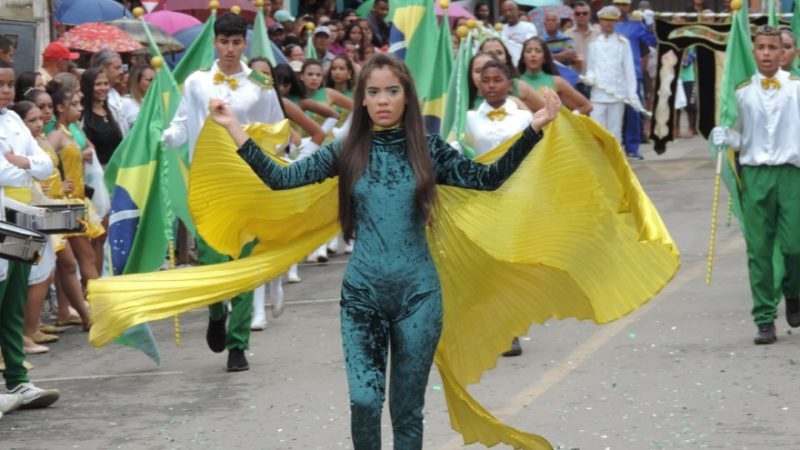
x=780, y=75
x=509, y=106
x=244, y=73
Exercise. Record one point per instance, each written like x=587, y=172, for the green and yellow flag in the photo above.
x=261, y=47
x=413, y=30
x=455, y=115
x=200, y=55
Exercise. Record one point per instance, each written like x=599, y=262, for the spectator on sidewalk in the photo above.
x=55, y=59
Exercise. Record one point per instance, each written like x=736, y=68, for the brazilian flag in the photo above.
x=414, y=29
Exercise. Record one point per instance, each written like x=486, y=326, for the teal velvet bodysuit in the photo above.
x=391, y=294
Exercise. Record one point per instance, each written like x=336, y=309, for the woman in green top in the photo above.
x=311, y=78
x=340, y=78
x=538, y=70
x=532, y=100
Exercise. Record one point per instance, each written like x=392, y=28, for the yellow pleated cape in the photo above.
x=570, y=234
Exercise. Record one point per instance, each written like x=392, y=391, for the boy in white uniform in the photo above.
x=610, y=71
x=250, y=95
x=768, y=139
x=21, y=159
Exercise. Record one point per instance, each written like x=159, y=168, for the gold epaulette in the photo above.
x=204, y=69
x=263, y=81
x=794, y=77
x=743, y=84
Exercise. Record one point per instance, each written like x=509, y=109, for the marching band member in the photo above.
x=250, y=95
x=21, y=160
x=766, y=136
x=614, y=83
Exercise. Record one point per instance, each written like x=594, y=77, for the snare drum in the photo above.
x=60, y=218
x=20, y=244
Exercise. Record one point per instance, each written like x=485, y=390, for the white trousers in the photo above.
x=610, y=116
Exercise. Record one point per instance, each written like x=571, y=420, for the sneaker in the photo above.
x=216, y=335
x=292, y=276
x=516, y=349
x=276, y=296
x=258, y=324
x=34, y=397
x=348, y=248
x=236, y=360
x=10, y=402
x=793, y=312
x=766, y=334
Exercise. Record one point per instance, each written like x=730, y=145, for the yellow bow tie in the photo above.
x=497, y=114
x=219, y=77
x=766, y=83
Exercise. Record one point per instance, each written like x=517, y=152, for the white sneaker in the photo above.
x=292, y=276
x=276, y=296
x=333, y=245
x=348, y=248
x=259, y=322
x=322, y=254
x=9, y=402
x=34, y=397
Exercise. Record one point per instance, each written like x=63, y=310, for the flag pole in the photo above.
x=714, y=208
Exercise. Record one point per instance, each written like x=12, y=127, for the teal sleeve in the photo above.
x=454, y=169
x=314, y=169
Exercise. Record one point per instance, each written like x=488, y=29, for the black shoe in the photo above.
x=215, y=335
x=236, y=360
x=793, y=312
x=766, y=334
x=516, y=349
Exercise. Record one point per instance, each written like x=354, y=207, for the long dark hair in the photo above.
x=22, y=108
x=548, y=66
x=87, y=88
x=356, y=147
x=272, y=76
x=283, y=74
x=471, y=88
x=329, y=79
x=24, y=84
x=509, y=59
x=60, y=95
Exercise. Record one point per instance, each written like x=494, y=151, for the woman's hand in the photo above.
x=88, y=154
x=552, y=104
x=67, y=187
x=222, y=114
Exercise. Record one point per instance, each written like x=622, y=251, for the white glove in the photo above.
x=649, y=17
x=328, y=124
x=341, y=133
x=306, y=149
x=635, y=104
x=726, y=137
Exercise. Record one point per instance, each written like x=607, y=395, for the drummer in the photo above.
x=21, y=159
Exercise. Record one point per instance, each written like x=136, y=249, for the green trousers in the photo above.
x=13, y=296
x=771, y=207
x=242, y=305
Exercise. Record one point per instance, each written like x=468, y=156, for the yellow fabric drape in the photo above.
x=570, y=234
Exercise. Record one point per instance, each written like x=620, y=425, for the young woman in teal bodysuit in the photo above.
x=391, y=297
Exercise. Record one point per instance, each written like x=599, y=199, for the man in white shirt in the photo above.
x=514, y=29
x=111, y=63
x=21, y=160
x=252, y=98
x=610, y=71
x=768, y=139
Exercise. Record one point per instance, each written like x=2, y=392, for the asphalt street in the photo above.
x=680, y=372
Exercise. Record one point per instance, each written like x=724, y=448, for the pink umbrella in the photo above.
x=199, y=8
x=171, y=21
x=454, y=11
